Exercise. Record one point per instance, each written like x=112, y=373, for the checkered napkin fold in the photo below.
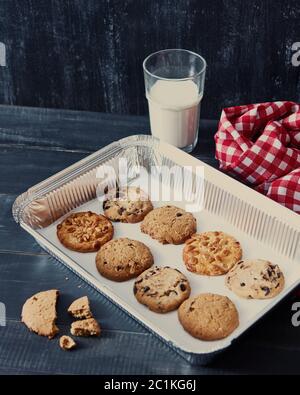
x=260, y=143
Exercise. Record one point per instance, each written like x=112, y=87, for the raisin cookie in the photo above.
x=127, y=204
x=85, y=231
x=211, y=253
x=169, y=224
x=255, y=279
x=123, y=259
x=39, y=313
x=162, y=289
x=208, y=316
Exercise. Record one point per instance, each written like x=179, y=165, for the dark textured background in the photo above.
x=87, y=54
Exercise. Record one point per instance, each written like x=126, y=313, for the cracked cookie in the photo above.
x=127, y=204
x=80, y=308
x=255, y=279
x=162, y=289
x=211, y=253
x=39, y=313
x=85, y=231
x=88, y=327
x=169, y=224
x=123, y=259
x=208, y=316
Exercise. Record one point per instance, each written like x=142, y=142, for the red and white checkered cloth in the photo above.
x=260, y=143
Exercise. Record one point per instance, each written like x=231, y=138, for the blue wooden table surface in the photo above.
x=36, y=143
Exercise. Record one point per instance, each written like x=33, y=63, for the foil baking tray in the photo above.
x=264, y=228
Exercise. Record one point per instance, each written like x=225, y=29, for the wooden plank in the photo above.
x=72, y=130
x=23, y=167
x=131, y=353
x=89, y=131
x=110, y=354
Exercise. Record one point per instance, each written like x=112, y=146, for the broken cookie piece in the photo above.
x=80, y=308
x=67, y=343
x=88, y=327
x=39, y=313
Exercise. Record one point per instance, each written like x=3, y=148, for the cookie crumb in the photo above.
x=66, y=343
x=88, y=327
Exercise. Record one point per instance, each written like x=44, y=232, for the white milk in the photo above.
x=174, y=108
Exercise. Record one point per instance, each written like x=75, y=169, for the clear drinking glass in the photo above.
x=174, y=83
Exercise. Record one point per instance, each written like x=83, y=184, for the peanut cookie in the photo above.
x=211, y=253
x=255, y=279
x=123, y=259
x=80, y=308
x=208, y=316
x=162, y=289
x=169, y=224
x=67, y=343
x=127, y=204
x=89, y=327
x=39, y=313
x=85, y=231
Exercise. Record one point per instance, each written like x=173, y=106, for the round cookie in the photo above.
x=255, y=279
x=123, y=259
x=169, y=224
x=211, y=253
x=127, y=204
x=162, y=289
x=85, y=231
x=208, y=316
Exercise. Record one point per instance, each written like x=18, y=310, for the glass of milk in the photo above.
x=174, y=82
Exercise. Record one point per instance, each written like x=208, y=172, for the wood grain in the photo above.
x=87, y=54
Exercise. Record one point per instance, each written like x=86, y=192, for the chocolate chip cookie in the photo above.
x=162, y=289
x=255, y=279
x=208, y=316
x=85, y=231
x=39, y=313
x=127, y=204
x=169, y=224
x=211, y=253
x=123, y=259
